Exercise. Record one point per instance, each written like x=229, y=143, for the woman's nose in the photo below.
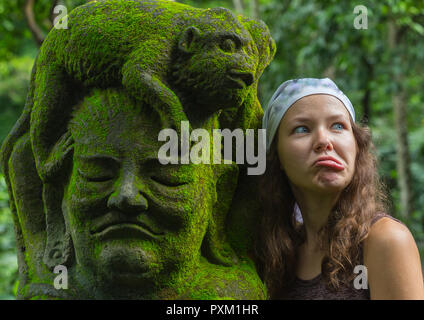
x=322, y=141
x=128, y=198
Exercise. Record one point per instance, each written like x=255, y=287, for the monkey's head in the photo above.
x=217, y=63
x=262, y=38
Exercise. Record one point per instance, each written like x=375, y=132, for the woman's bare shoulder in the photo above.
x=388, y=230
x=393, y=261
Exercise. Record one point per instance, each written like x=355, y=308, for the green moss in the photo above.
x=218, y=282
x=122, y=56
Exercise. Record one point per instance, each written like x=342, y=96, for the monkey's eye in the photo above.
x=228, y=45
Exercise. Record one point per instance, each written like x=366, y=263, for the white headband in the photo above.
x=291, y=91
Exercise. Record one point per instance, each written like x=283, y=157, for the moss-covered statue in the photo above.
x=86, y=188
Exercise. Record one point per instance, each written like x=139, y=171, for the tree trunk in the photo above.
x=399, y=101
x=53, y=15
x=254, y=9
x=366, y=110
x=32, y=23
x=238, y=6
x=254, y=13
x=366, y=98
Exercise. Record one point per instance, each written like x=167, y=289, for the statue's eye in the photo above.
x=228, y=45
x=172, y=176
x=95, y=175
x=97, y=168
x=170, y=182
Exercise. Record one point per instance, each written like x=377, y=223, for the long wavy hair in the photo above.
x=280, y=234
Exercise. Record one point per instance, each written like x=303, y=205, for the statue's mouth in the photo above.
x=117, y=225
x=240, y=79
x=125, y=231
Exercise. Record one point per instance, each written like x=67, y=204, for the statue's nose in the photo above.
x=128, y=197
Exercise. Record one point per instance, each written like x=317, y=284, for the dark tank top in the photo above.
x=316, y=288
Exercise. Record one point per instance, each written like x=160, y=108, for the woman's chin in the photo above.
x=330, y=185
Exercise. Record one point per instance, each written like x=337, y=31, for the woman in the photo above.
x=341, y=244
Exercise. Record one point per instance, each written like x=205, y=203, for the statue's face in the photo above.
x=134, y=222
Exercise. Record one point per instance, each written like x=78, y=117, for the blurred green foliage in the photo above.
x=314, y=39
x=8, y=260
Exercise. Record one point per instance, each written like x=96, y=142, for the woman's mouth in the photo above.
x=329, y=164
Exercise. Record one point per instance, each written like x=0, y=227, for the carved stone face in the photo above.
x=133, y=221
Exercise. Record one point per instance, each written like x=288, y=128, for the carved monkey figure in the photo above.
x=181, y=60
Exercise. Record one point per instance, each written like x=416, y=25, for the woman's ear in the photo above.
x=215, y=246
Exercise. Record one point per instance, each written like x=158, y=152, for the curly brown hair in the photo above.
x=280, y=234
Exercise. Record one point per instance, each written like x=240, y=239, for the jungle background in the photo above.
x=379, y=67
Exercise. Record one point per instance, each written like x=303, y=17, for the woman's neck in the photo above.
x=315, y=210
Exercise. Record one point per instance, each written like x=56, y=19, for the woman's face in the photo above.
x=317, y=126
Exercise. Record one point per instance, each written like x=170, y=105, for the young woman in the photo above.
x=324, y=232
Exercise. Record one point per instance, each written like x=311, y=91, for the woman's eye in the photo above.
x=301, y=129
x=228, y=45
x=168, y=182
x=338, y=126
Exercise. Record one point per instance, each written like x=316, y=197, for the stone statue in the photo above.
x=86, y=188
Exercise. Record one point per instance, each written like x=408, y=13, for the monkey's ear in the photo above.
x=189, y=35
